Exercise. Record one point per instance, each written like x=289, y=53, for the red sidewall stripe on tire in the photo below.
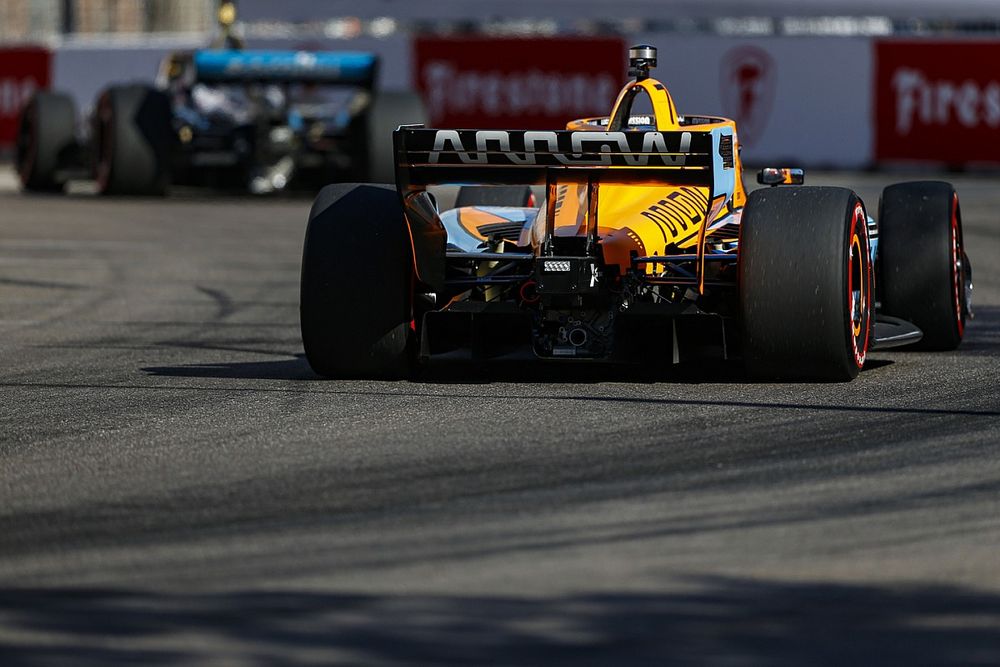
x=956, y=274
x=859, y=232
x=106, y=147
x=27, y=165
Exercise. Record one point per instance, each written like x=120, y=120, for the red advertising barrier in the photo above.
x=517, y=83
x=22, y=71
x=937, y=101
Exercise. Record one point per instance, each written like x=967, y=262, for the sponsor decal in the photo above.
x=748, y=83
x=550, y=148
x=937, y=101
x=22, y=71
x=726, y=150
x=523, y=83
x=678, y=211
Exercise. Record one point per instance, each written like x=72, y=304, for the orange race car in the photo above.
x=628, y=238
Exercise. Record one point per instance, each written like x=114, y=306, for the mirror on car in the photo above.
x=776, y=176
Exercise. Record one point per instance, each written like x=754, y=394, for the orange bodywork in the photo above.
x=645, y=220
x=640, y=186
x=641, y=215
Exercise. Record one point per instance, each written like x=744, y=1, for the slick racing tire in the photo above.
x=923, y=267
x=357, y=278
x=501, y=195
x=45, y=138
x=132, y=136
x=388, y=111
x=806, y=284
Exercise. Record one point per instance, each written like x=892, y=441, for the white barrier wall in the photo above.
x=394, y=55
x=797, y=100
x=83, y=71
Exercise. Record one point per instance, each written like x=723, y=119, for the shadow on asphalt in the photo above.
x=298, y=368
x=983, y=338
x=724, y=621
x=982, y=332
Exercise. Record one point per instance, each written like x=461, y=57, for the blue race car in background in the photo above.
x=256, y=120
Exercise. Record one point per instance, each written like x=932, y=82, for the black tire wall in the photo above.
x=389, y=110
x=794, y=264
x=46, y=138
x=132, y=136
x=355, y=307
x=916, y=265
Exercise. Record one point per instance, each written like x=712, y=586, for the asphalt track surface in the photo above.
x=176, y=486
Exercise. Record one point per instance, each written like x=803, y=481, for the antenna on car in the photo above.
x=227, y=37
x=641, y=59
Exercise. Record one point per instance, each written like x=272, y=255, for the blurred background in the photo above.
x=819, y=83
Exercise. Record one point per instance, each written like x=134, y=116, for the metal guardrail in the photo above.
x=45, y=20
x=42, y=20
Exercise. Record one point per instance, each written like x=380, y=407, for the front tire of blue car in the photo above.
x=806, y=284
x=389, y=110
x=355, y=306
x=45, y=137
x=132, y=137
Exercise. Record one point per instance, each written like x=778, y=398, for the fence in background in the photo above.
x=818, y=100
x=44, y=20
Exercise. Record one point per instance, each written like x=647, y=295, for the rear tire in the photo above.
x=132, y=137
x=357, y=275
x=806, y=284
x=46, y=138
x=922, y=263
x=388, y=111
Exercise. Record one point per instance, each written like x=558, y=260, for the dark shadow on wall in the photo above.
x=723, y=622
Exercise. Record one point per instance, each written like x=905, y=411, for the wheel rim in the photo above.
x=957, y=270
x=27, y=146
x=105, y=144
x=859, y=287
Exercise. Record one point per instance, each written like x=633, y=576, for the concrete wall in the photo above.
x=809, y=101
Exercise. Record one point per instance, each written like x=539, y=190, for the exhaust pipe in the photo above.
x=578, y=337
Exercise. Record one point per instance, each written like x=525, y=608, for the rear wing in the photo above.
x=426, y=157
x=523, y=157
x=330, y=67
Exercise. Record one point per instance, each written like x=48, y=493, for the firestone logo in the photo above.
x=450, y=90
x=748, y=81
x=943, y=102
